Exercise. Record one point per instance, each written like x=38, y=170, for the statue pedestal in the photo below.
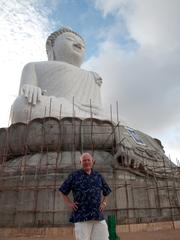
x=37, y=157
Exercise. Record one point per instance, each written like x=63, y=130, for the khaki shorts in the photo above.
x=91, y=230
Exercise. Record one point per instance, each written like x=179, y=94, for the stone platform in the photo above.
x=37, y=157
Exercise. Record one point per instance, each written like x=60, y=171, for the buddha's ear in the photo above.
x=50, y=53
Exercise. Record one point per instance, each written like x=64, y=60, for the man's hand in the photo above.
x=73, y=205
x=32, y=93
x=102, y=206
x=69, y=203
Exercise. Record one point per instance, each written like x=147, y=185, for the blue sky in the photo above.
x=134, y=45
x=83, y=17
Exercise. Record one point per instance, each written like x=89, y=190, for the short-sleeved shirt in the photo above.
x=87, y=191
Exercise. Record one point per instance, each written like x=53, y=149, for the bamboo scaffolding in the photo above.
x=153, y=176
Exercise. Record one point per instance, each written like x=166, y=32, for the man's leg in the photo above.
x=100, y=231
x=83, y=230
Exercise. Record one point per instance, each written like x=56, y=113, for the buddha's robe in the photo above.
x=68, y=90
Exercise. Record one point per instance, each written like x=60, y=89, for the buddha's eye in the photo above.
x=70, y=39
x=75, y=40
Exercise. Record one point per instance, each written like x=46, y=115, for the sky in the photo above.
x=134, y=45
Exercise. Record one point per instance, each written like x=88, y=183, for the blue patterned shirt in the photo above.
x=87, y=190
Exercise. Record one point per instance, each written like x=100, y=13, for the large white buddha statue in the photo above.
x=58, y=87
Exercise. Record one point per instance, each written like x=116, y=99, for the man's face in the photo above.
x=87, y=162
x=69, y=48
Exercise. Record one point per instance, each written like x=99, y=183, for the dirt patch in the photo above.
x=158, y=235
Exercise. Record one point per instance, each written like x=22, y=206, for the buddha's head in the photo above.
x=67, y=46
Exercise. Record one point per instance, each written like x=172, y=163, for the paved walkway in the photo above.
x=157, y=235
x=35, y=238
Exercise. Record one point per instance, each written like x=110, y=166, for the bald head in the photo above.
x=86, y=155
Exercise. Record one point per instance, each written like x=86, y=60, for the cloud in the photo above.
x=23, y=31
x=145, y=79
x=113, y=6
x=151, y=23
x=148, y=92
x=155, y=24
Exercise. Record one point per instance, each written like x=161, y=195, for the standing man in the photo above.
x=90, y=192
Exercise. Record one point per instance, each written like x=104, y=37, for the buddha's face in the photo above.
x=69, y=48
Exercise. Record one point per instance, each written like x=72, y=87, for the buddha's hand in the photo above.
x=32, y=93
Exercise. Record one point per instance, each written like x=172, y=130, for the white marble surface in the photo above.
x=58, y=87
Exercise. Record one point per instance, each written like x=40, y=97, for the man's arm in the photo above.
x=106, y=191
x=103, y=203
x=68, y=202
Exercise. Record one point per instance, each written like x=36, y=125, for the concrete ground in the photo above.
x=145, y=231
x=157, y=235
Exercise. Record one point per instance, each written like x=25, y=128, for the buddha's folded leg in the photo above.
x=22, y=111
x=49, y=106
